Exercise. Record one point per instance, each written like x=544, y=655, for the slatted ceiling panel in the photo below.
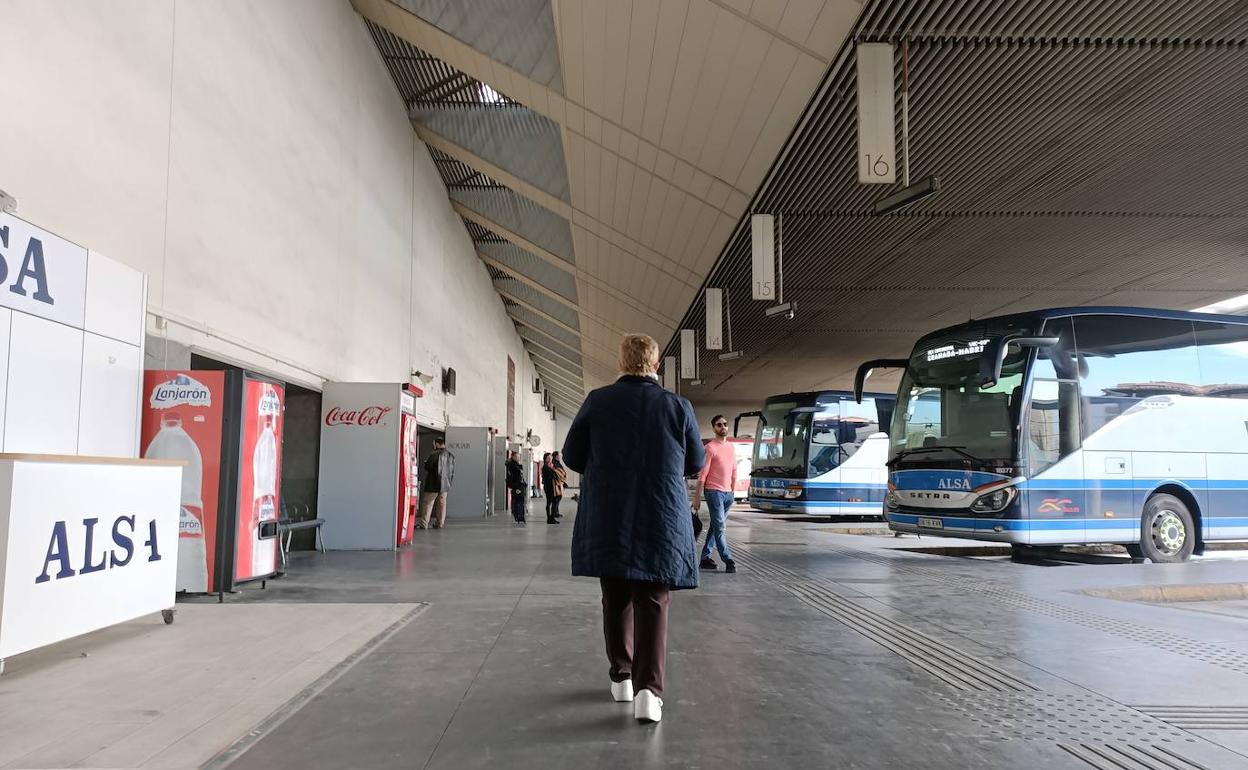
x=725, y=45
x=554, y=348
x=523, y=315
x=534, y=268
x=643, y=29
x=532, y=297
x=519, y=33
x=521, y=216
x=514, y=138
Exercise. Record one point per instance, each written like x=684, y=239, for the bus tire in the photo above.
x=1167, y=531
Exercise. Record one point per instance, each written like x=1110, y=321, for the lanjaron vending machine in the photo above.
x=227, y=427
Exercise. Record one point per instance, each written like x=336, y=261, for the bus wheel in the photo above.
x=1166, y=531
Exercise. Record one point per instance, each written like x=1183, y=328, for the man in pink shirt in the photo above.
x=717, y=481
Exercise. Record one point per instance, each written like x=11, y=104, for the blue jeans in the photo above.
x=719, y=503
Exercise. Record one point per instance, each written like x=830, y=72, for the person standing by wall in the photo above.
x=439, y=475
x=717, y=481
x=516, y=487
x=634, y=443
x=561, y=480
x=550, y=484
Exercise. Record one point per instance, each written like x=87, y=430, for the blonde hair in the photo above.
x=639, y=354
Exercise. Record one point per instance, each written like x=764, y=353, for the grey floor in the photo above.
x=826, y=650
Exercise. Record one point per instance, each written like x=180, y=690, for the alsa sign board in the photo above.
x=76, y=563
x=42, y=274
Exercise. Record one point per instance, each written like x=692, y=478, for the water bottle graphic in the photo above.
x=173, y=443
x=264, y=475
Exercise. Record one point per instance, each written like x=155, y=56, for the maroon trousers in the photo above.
x=634, y=622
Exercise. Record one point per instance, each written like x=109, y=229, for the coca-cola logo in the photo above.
x=369, y=415
x=181, y=390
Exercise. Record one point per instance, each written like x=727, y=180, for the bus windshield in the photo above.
x=942, y=407
x=783, y=435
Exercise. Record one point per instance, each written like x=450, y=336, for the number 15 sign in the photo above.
x=877, y=153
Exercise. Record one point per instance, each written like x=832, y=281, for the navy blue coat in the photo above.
x=633, y=444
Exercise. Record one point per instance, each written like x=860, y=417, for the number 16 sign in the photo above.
x=877, y=152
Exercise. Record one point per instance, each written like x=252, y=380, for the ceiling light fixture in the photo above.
x=731, y=355
x=907, y=196
x=787, y=309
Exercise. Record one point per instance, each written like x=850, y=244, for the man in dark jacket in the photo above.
x=439, y=474
x=633, y=444
x=516, y=487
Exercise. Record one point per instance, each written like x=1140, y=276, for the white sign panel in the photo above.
x=763, y=249
x=42, y=274
x=74, y=562
x=714, y=319
x=877, y=154
x=669, y=373
x=688, y=354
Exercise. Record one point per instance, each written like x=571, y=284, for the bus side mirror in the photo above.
x=993, y=357
x=736, y=424
x=864, y=371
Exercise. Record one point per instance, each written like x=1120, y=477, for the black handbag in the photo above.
x=697, y=525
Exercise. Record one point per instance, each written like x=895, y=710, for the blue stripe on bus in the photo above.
x=1050, y=524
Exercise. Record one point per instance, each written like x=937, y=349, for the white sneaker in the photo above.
x=648, y=707
x=622, y=691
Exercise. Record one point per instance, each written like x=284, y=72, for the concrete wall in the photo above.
x=254, y=159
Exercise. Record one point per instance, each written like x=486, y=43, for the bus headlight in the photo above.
x=994, y=501
x=792, y=493
x=891, y=501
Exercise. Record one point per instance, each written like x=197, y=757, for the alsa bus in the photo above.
x=1073, y=426
x=820, y=453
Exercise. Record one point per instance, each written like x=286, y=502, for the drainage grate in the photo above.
x=955, y=667
x=1211, y=654
x=1126, y=756
x=1200, y=717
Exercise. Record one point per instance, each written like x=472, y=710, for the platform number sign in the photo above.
x=763, y=249
x=877, y=152
x=714, y=319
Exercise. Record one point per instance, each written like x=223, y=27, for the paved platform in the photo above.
x=826, y=650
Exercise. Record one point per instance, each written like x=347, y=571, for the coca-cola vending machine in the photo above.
x=226, y=426
x=368, y=485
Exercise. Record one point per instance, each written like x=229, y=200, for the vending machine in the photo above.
x=226, y=426
x=367, y=485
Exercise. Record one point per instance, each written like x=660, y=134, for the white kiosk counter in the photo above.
x=85, y=543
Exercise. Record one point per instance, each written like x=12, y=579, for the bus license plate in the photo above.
x=931, y=523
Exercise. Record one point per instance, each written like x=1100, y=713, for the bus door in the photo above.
x=1056, y=500
x=824, y=492
x=864, y=450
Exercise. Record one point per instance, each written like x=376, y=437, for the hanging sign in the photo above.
x=714, y=319
x=763, y=247
x=877, y=153
x=669, y=373
x=688, y=354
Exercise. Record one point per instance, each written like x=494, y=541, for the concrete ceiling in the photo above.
x=601, y=152
x=1089, y=154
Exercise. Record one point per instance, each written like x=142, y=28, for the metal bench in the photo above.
x=287, y=525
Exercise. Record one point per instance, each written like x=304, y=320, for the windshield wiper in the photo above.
x=777, y=469
x=923, y=450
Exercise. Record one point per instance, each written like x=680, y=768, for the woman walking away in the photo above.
x=551, y=488
x=515, y=487
x=633, y=444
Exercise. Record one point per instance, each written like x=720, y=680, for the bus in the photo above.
x=820, y=453
x=1074, y=426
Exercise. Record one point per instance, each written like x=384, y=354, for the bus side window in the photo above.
x=1129, y=359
